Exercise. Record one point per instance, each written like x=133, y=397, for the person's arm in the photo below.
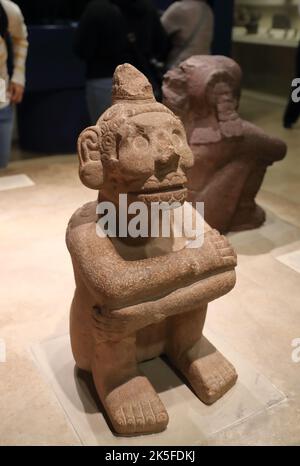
x=18, y=33
x=172, y=19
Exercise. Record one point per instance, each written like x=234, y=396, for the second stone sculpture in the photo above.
x=231, y=154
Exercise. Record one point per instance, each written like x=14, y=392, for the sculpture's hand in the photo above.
x=224, y=256
x=107, y=326
x=216, y=252
x=115, y=325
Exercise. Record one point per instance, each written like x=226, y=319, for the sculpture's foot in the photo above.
x=135, y=408
x=209, y=373
x=248, y=218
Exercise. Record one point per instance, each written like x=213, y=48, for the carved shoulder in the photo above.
x=83, y=243
x=81, y=226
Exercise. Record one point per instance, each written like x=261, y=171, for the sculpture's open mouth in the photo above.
x=176, y=193
x=161, y=189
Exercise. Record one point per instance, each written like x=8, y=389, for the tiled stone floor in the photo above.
x=258, y=320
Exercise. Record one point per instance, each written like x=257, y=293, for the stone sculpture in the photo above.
x=231, y=155
x=138, y=298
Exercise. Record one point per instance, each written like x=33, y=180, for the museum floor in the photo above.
x=257, y=321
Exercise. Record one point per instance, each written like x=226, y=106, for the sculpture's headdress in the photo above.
x=132, y=94
x=129, y=85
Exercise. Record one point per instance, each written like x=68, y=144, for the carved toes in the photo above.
x=140, y=418
x=135, y=408
x=211, y=377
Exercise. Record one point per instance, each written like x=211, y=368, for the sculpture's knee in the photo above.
x=280, y=149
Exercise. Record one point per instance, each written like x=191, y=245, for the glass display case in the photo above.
x=266, y=34
x=267, y=22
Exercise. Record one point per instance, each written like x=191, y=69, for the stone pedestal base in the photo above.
x=191, y=422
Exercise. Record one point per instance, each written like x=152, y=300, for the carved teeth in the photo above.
x=170, y=197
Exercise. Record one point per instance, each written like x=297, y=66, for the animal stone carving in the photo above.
x=138, y=298
x=231, y=155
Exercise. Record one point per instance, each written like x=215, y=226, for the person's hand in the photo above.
x=16, y=92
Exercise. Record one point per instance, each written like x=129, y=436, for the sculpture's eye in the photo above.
x=140, y=143
x=177, y=137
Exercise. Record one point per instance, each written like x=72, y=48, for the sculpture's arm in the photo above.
x=118, y=324
x=266, y=147
x=116, y=283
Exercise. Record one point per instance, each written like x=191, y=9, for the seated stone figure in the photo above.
x=231, y=155
x=138, y=298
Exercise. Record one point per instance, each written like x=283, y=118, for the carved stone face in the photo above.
x=198, y=85
x=138, y=147
x=152, y=159
x=175, y=92
x=204, y=91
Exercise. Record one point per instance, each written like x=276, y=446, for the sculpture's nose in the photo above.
x=166, y=157
x=166, y=162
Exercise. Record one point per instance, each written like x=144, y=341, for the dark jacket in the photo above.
x=101, y=39
x=3, y=22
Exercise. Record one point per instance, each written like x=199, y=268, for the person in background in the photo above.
x=12, y=27
x=76, y=8
x=190, y=26
x=51, y=11
x=292, y=111
x=112, y=32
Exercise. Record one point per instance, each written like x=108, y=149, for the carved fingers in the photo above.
x=225, y=253
x=111, y=325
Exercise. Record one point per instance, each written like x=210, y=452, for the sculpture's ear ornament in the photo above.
x=89, y=153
